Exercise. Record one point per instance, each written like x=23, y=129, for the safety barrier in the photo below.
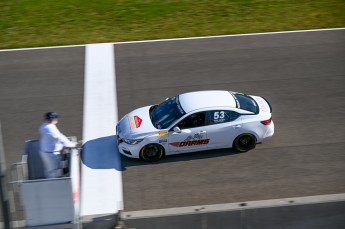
x=327, y=211
x=47, y=203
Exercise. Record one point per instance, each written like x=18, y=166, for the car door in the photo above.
x=223, y=127
x=191, y=136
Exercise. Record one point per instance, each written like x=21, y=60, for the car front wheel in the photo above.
x=152, y=152
x=244, y=142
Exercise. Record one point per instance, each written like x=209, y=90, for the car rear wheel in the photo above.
x=244, y=142
x=152, y=152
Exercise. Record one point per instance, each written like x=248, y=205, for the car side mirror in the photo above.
x=177, y=129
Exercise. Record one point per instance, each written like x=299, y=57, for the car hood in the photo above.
x=136, y=124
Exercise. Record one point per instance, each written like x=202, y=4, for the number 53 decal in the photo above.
x=218, y=115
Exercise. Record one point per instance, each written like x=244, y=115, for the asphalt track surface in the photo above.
x=302, y=75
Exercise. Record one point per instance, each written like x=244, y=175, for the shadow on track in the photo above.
x=102, y=153
x=128, y=162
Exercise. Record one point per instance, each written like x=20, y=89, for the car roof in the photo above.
x=206, y=99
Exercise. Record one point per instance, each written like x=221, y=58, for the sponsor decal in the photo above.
x=162, y=133
x=192, y=141
x=135, y=122
x=196, y=137
x=263, y=108
x=163, y=141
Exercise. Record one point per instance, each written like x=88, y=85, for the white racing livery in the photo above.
x=195, y=121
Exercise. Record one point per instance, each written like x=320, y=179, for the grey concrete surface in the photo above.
x=314, y=216
x=303, y=76
x=219, y=220
x=105, y=222
x=33, y=82
x=309, y=216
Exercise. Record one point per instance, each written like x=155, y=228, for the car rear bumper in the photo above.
x=269, y=132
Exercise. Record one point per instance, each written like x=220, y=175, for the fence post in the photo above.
x=3, y=188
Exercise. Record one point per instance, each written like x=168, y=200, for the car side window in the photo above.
x=192, y=121
x=222, y=116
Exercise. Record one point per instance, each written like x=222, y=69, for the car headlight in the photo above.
x=132, y=141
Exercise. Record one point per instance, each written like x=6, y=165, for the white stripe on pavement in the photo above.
x=100, y=108
x=184, y=38
x=230, y=35
x=101, y=189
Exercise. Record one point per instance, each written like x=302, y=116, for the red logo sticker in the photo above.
x=137, y=121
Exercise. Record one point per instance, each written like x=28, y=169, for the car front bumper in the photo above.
x=129, y=150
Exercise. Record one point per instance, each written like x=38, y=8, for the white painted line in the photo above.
x=100, y=102
x=101, y=189
x=182, y=39
x=40, y=48
x=231, y=35
x=233, y=206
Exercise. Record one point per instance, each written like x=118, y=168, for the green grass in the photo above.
x=32, y=23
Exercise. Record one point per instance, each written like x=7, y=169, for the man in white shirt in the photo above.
x=52, y=142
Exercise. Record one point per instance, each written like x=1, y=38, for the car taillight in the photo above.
x=267, y=122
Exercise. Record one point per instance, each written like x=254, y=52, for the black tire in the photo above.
x=152, y=152
x=244, y=142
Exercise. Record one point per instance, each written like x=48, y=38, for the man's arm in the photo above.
x=57, y=135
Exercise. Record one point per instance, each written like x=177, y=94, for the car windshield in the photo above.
x=247, y=103
x=163, y=115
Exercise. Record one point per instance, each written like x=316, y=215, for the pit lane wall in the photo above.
x=327, y=211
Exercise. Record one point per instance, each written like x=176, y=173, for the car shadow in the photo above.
x=102, y=153
x=129, y=162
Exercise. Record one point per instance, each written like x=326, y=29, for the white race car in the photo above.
x=195, y=121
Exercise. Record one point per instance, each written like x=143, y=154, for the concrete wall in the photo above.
x=287, y=215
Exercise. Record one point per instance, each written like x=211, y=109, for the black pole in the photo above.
x=3, y=188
